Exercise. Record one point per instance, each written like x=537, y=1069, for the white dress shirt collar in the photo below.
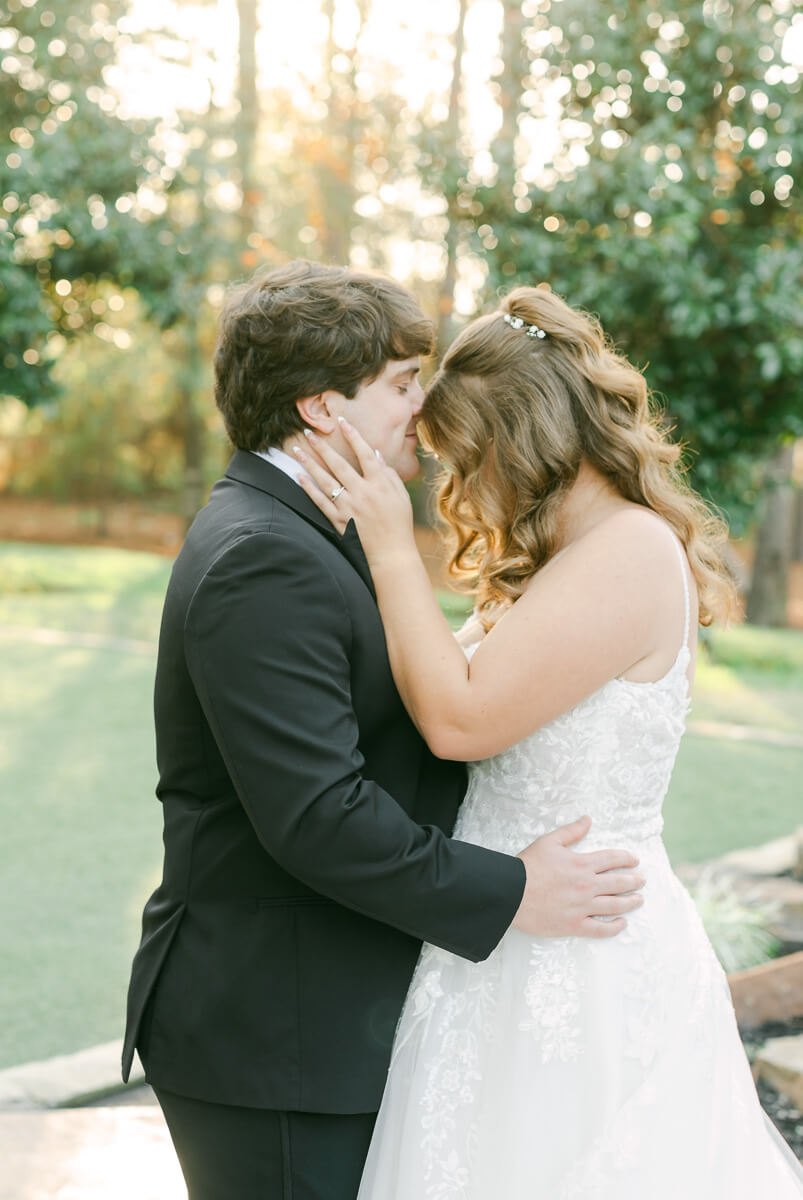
x=285, y=462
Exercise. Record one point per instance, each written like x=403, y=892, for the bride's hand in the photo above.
x=377, y=500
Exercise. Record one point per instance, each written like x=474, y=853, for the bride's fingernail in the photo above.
x=299, y=453
x=378, y=454
x=309, y=434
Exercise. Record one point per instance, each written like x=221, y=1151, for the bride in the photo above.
x=557, y=1068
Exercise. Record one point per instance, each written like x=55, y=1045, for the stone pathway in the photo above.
x=780, y=1062
x=119, y=1153
x=115, y=1147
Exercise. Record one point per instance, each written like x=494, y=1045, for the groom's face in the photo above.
x=385, y=412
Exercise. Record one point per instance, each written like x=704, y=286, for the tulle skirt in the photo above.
x=570, y=1069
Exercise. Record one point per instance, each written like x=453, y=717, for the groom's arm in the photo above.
x=268, y=645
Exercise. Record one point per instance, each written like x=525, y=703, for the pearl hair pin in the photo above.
x=520, y=323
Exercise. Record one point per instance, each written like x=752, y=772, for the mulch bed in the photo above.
x=123, y=524
x=783, y=1114
x=132, y=525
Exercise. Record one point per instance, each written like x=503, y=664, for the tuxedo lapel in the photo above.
x=257, y=472
x=351, y=546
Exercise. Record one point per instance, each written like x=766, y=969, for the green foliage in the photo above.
x=70, y=170
x=113, y=432
x=768, y=652
x=736, y=923
x=668, y=208
x=88, y=198
x=668, y=202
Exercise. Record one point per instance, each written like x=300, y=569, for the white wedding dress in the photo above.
x=572, y=1069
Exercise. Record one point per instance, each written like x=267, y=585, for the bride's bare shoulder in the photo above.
x=629, y=531
x=631, y=546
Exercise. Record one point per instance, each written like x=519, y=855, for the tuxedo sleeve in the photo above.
x=268, y=645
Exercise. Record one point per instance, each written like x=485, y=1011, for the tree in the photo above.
x=248, y=118
x=444, y=160
x=453, y=181
x=767, y=599
x=510, y=91
x=99, y=199
x=668, y=208
x=77, y=184
x=112, y=432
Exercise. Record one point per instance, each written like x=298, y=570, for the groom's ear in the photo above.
x=321, y=412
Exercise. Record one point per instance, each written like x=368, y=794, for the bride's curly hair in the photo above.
x=511, y=416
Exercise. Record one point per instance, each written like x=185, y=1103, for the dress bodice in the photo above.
x=610, y=756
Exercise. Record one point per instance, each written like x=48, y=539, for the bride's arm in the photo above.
x=585, y=618
x=421, y=646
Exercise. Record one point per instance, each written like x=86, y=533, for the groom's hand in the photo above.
x=566, y=892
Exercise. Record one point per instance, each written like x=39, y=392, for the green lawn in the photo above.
x=113, y=592
x=81, y=829
x=80, y=847
x=725, y=795
x=751, y=676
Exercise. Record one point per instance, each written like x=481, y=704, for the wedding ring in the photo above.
x=340, y=488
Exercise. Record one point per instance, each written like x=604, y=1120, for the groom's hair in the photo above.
x=302, y=329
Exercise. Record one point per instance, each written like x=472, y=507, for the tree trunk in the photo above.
x=191, y=422
x=511, y=85
x=797, y=540
x=451, y=138
x=248, y=120
x=767, y=601
x=337, y=193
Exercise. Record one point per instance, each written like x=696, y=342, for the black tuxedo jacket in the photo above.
x=305, y=821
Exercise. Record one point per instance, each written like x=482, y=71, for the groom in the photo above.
x=305, y=821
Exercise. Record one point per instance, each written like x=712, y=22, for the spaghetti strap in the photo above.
x=685, y=575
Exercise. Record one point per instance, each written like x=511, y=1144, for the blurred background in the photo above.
x=641, y=157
